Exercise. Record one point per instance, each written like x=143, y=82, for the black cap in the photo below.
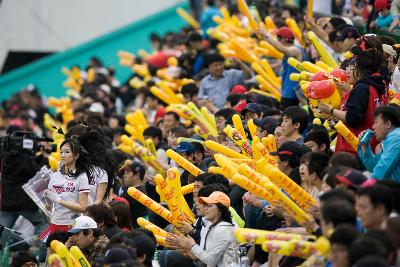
x=184, y=147
x=349, y=32
x=267, y=124
x=114, y=255
x=291, y=151
x=353, y=178
x=252, y=107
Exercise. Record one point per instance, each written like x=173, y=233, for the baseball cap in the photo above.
x=252, y=107
x=238, y=89
x=353, y=178
x=290, y=150
x=388, y=49
x=216, y=197
x=114, y=255
x=285, y=32
x=349, y=32
x=381, y=4
x=184, y=147
x=267, y=123
x=81, y=223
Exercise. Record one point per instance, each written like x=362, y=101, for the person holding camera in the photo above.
x=17, y=169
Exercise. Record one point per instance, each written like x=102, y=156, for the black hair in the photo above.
x=371, y=261
x=225, y=213
x=389, y=113
x=234, y=99
x=59, y=236
x=364, y=246
x=101, y=214
x=198, y=147
x=122, y=214
x=153, y=131
x=338, y=212
x=214, y=57
x=96, y=232
x=298, y=115
x=83, y=163
x=176, y=116
x=336, y=21
x=320, y=137
x=385, y=39
x=207, y=190
x=144, y=246
x=213, y=178
x=317, y=163
x=23, y=257
x=387, y=241
x=332, y=172
x=344, y=234
x=395, y=190
x=225, y=112
x=369, y=56
x=190, y=88
x=378, y=195
x=179, y=131
x=343, y=158
x=337, y=194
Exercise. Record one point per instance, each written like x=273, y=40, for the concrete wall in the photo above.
x=56, y=25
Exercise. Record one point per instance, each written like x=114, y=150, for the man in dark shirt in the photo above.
x=132, y=176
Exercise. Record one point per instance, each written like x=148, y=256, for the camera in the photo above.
x=18, y=141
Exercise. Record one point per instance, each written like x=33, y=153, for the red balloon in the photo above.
x=320, y=89
x=319, y=76
x=340, y=74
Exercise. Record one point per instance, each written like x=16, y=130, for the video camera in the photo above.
x=18, y=141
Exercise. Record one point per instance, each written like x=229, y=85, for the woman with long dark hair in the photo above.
x=102, y=178
x=220, y=246
x=368, y=92
x=69, y=188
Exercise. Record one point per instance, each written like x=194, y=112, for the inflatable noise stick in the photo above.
x=267, y=67
x=216, y=147
x=184, y=163
x=150, y=204
x=310, y=67
x=228, y=167
x=245, y=234
x=54, y=261
x=347, y=135
x=166, y=194
x=174, y=183
x=79, y=257
x=187, y=189
x=325, y=56
x=244, y=9
x=188, y=18
x=237, y=123
x=324, y=66
x=310, y=9
x=273, y=52
x=239, y=140
x=252, y=128
x=301, y=197
x=143, y=223
x=190, y=140
x=269, y=23
x=62, y=252
x=150, y=146
x=295, y=64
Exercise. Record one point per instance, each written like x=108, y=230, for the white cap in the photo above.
x=388, y=49
x=81, y=223
x=96, y=107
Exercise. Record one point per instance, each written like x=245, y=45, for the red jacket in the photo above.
x=360, y=103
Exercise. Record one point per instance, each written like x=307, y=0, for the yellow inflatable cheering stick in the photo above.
x=79, y=257
x=347, y=135
x=188, y=18
x=150, y=204
x=184, y=163
x=239, y=140
x=325, y=56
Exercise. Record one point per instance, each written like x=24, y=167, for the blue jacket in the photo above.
x=386, y=164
